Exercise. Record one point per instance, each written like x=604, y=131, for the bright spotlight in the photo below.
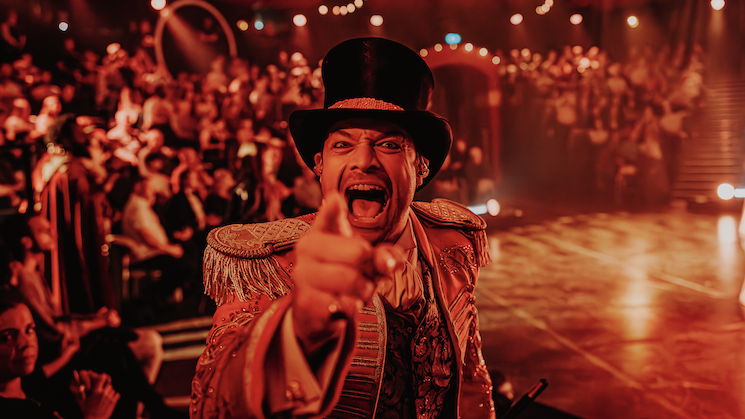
x=63, y=26
x=633, y=21
x=717, y=4
x=323, y=9
x=242, y=25
x=726, y=191
x=483, y=52
x=376, y=20
x=299, y=20
x=158, y=4
x=575, y=19
x=516, y=19
x=259, y=24
x=493, y=207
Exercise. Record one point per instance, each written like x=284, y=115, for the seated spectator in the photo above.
x=149, y=244
x=217, y=204
x=19, y=349
x=17, y=125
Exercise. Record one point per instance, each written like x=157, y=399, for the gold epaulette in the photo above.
x=237, y=261
x=443, y=212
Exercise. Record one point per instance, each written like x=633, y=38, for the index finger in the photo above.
x=333, y=216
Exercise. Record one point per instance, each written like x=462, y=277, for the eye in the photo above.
x=390, y=145
x=340, y=144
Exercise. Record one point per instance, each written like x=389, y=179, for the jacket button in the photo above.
x=470, y=287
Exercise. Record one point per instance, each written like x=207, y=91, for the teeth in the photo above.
x=364, y=187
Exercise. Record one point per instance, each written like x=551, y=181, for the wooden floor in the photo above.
x=626, y=315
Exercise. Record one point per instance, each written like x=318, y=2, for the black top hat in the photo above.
x=379, y=79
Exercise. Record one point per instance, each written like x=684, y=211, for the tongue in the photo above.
x=363, y=208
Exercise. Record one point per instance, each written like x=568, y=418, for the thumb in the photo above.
x=333, y=216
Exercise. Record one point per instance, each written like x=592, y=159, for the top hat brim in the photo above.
x=431, y=134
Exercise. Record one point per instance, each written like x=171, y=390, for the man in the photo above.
x=364, y=310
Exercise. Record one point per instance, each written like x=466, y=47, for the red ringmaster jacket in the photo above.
x=248, y=272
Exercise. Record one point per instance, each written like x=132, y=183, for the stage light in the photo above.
x=63, y=26
x=483, y=52
x=516, y=19
x=575, y=19
x=545, y=8
x=359, y=3
x=525, y=52
x=336, y=10
x=423, y=52
x=539, y=10
x=453, y=47
x=158, y=4
x=438, y=47
x=376, y=20
x=726, y=191
x=453, y=38
x=242, y=25
x=468, y=47
x=343, y=10
x=351, y=8
x=632, y=21
x=259, y=24
x=478, y=209
x=717, y=4
x=496, y=60
x=323, y=9
x=493, y=207
x=299, y=20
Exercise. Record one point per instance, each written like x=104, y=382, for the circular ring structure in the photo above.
x=166, y=13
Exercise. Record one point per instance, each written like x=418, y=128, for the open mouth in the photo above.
x=365, y=201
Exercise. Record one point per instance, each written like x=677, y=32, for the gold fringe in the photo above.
x=482, y=248
x=229, y=278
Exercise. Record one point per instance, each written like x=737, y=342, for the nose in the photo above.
x=364, y=158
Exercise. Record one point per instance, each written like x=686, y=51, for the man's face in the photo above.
x=372, y=163
x=19, y=346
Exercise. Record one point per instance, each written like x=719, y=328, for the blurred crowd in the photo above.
x=622, y=122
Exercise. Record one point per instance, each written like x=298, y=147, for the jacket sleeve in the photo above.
x=252, y=367
x=476, y=389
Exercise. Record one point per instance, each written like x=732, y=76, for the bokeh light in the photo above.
x=242, y=25
x=493, y=207
x=299, y=20
x=516, y=19
x=336, y=10
x=452, y=38
x=351, y=8
x=726, y=191
x=438, y=47
x=376, y=20
x=359, y=3
x=323, y=9
x=717, y=4
x=423, y=52
x=158, y=4
x=633, y=21
x=483, y=52
x=63, y=26
x=468, y=47
x=259, y=24
x=575, y=19
x=496, y=60
x=343, y=10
